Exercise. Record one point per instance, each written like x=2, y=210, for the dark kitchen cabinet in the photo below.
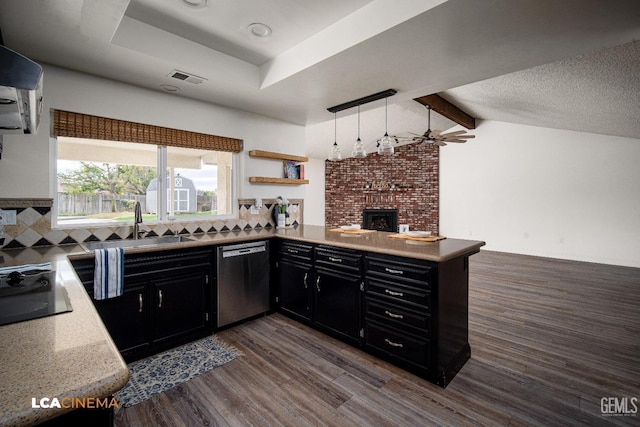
x=337, y=302
x=294, y=277
x=166, y=300
x=410, y=312
x=337, y=290
x=179, y=304
x=416, y=314
x=321, y=286
x=295, y=292
x=127, y=318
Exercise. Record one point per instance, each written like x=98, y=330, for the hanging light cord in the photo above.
x=335, y=129
x=386, y=133
x=358, y=122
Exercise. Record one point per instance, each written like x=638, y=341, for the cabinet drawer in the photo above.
x=338, y=259
x=296, y=251
x=398, y=344
x=398, y=293
x=393, y=314
x=398, y=269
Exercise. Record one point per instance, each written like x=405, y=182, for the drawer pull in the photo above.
x=392, y=271
x=393, y=315
x=332, y=259
x=394, y=293
x=393, y=344
x=305, y=280
x=293, y=251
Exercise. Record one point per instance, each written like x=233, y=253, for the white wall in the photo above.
x=314, y=200
x=25, y=164
x=546, y=192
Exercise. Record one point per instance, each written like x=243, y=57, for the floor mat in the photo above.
x=165, y=370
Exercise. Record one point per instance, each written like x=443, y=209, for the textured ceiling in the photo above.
x=570, y=64
x=598, y=93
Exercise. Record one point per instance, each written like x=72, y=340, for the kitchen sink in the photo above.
x=131, y=243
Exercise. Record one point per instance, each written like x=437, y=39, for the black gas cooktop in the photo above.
x=29, y=296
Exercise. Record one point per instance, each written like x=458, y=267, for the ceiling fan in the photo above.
x=436, y=136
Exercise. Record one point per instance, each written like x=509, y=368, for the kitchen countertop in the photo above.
x=379, y=241
x=67, y=355
x=440, y=251
x=72, y=355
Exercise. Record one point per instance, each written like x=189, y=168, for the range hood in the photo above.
x=20, y=93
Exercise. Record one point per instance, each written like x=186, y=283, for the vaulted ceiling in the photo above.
x=571, y=64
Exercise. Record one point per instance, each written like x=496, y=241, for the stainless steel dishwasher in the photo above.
x=243, y=281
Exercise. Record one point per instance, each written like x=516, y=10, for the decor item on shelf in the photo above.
x=291, y=169
x=435, y=136
x=385, y=144
x=358, y=149
x=334, y=154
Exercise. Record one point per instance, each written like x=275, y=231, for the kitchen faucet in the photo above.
x=137, y=221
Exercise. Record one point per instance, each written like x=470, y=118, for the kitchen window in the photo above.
x=99, y=181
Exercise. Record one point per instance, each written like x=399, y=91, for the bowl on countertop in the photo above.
x=351, y=227
x=418, y=233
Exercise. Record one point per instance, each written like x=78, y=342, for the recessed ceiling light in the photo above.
x=170, y=88
x=195, y=3
x=259, y=30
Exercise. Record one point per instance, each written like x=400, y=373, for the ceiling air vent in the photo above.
x=186, y=77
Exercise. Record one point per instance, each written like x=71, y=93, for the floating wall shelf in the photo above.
x=277, y=156
x=270, y=180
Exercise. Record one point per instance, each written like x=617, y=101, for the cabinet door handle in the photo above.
x=395, y=316
x=306, y=286
x=393, y=344
x=318, y=283
x=394, y=293
x=140, y=302
x=392, y=271
x=160, y=299
x=332, y=259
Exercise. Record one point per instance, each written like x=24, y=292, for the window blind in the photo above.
x=77, y=125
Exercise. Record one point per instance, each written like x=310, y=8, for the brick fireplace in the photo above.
x=407, y=181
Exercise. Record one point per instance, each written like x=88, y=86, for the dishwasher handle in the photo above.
x=241, y=251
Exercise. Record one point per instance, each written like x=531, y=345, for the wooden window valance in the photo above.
x=77, y=125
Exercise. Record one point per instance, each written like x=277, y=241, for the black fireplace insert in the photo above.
x=380, y=219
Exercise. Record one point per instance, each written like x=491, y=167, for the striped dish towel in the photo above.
x=108, y=279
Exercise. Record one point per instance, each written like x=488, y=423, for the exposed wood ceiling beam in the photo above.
x=447, y=109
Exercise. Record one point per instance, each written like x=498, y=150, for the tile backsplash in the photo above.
x=33, y=224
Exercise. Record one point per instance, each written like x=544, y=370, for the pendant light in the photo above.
x=334, y=154
x=358, y=148
x=385, y=144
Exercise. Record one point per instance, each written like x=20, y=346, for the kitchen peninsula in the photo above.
x=62, y=349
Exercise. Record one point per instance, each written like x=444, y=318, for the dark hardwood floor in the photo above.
x=549, y=339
